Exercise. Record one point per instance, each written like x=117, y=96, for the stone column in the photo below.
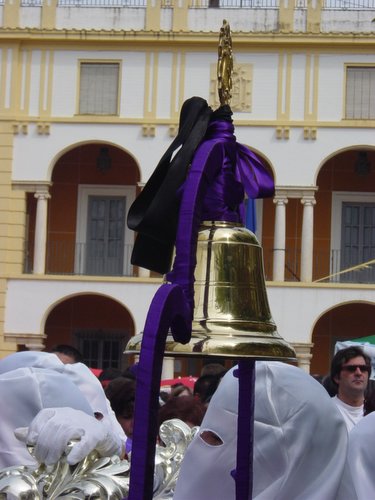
x=168, y=369
x=303, y=352
x=308, y=203
x=35, y=345
x=40, y=232
x=279, y=238
x=143, y=273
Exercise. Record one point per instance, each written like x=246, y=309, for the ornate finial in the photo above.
x=225, y=64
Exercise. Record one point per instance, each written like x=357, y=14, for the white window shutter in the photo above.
x=99, y=88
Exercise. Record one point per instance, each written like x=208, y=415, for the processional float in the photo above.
x=213, y=302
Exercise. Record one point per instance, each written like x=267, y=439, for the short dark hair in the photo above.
x=205, y=386
x=186, y=408
x=121, y=395
x=68, y=350
x=343, y=356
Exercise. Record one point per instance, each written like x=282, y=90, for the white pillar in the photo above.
x=304, y=355
x=143, y=273
x=308, y=203
x=279, y=238
x=168, y=369
x=40, y=241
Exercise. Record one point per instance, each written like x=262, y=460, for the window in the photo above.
x=102, y=349
x=99, y=86
x=360, y=93
x=358, y=241
x=103, y=245
x=353, y=236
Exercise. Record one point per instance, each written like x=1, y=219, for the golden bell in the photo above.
x=232, y=318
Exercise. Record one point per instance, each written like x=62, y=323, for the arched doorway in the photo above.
x=99, y=327
x=92, y=188
x=344, y=234
x=344, y=322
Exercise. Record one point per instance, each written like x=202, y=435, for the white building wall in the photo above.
x=164, y=88
x=294, y=308
x=81, y=18
x=296, y=162
x=297, y=111
x=198, y=19
x=133, y=84
x=38, y=298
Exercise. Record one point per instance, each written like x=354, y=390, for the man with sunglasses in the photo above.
x=350, y=371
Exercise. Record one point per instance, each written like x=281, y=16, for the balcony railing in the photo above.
x=103, y=3
x=327, y=268
x=360, y=5
x=66, y=258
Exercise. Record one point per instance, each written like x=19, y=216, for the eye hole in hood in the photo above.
x=211, y=438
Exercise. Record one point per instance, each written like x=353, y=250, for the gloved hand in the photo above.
x=52, y=429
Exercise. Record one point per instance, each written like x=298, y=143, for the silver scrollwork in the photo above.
x=98, y=477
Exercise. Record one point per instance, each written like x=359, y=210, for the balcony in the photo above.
x=327, y=268
x=64, y=258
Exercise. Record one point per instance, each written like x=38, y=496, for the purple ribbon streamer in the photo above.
x=243, y=474
x=214, y=191
x=168, y=309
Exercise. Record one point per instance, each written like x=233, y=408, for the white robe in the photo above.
x=77, y=374
x=300, y=440
x=358, y=480
x=23, y=393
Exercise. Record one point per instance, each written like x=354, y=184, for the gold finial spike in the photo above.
x=225, y=64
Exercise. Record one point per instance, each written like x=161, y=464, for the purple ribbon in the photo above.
x=214, y=191
x=168, y=309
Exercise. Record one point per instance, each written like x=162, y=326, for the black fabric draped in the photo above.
x=154, y=213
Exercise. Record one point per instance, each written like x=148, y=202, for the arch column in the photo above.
x=142, y=272
x=40, y=242
x=280, y=201
x=168, y=368
x=304, y=355
x=307, y=237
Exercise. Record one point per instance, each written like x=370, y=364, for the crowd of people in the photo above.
x=311, y=440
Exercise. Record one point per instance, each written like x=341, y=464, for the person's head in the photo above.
x=67, y=354
x=213, y=369
x=178, y=390
x=300, y=440
x=121, y=395
x=205, y=386
x=186, y=408
x=350, y=371
x=130, y=372
x=109, y=374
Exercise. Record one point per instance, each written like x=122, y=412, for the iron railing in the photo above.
x=63, y=258
x=67, y=258
x=103, y=3
x=327, y=268
x=359, y=5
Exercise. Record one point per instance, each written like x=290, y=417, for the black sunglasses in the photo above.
x=353, y=368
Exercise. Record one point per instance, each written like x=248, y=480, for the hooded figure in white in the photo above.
x=300, y=440
x=358, y=480
x=64, y=400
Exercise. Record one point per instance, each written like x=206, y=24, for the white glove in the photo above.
x=52, y=429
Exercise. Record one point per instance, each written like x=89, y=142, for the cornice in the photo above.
x=189, y=38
